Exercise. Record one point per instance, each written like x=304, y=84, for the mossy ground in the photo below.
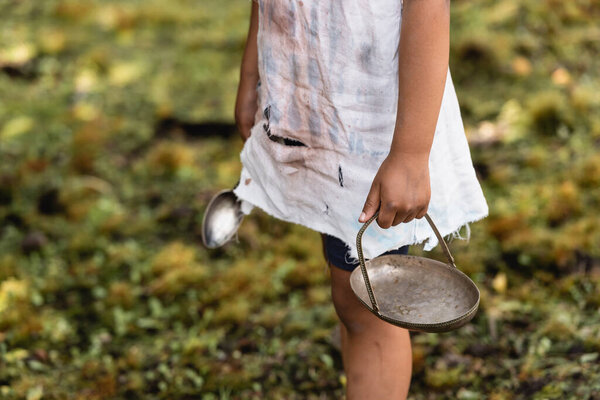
x=115, y=131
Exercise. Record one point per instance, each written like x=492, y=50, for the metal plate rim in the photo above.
x=433, y=327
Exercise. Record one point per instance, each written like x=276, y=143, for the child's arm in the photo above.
x=245, y=104
x=401, y=185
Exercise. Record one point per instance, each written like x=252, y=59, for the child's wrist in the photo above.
x=402, y=154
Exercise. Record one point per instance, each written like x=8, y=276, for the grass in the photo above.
x=115, y=131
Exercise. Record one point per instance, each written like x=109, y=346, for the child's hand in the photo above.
x=246, y=105
x=402, y=188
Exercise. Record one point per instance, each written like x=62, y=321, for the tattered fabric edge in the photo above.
x=249, y=200
x=431, y=242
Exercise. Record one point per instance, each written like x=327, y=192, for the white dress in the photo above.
x=327, y=98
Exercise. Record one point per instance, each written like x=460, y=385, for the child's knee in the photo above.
x=351, y=312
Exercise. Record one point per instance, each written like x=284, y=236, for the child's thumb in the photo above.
x=371, y=204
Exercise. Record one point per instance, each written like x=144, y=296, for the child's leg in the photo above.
x=377, y=356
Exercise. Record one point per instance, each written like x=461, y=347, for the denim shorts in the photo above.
x=335, y=252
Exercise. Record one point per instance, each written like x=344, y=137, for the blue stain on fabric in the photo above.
x=267, y=57
x=293, y=114
x=332, y=134
x=314, y=75
x=294, y=68
x=378, y=153
x=314, y=24
x=314, y=120
x=274, y=113
x=370, y=232
x=340, y=86
x=292, y=19
x=366, y=57
x=334, y=32
x=355, y=143
x=361, y=96
x=271, y=10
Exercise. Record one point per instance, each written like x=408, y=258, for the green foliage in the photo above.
x=105, y=291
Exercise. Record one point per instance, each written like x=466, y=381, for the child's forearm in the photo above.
x=250, y=59
x=245, y=104
x=423, y=65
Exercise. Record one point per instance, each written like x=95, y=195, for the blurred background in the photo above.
x=116, y=128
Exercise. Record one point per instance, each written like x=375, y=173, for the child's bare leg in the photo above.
x=377, y=356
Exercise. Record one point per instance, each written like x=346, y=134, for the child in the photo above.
x=346, y=108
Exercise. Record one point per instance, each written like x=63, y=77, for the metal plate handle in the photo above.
x=361, y=257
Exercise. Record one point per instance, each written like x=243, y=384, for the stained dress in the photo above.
x=327, y=101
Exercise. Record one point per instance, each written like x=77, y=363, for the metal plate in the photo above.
x=418, y=293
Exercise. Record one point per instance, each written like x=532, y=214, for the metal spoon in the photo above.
x=222, y=218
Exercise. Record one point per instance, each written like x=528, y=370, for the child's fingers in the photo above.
x=397, y=219
x=371, y=204
x=409, y=217
x=421, y=213
x=387, y=213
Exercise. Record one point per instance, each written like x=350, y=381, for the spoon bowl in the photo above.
x=222, y=218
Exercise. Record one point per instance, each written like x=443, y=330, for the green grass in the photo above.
x=106, y=291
